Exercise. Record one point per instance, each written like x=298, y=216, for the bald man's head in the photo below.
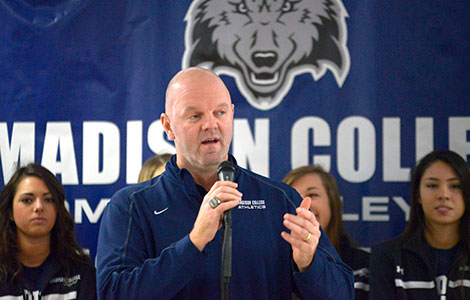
x=199, y=119
x=188, y=80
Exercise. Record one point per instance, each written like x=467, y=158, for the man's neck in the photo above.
x=205, y=178
x=205, y=175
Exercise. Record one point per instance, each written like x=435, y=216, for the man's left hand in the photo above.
x=304, y=234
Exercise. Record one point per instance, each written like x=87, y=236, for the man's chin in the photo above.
x=213, y=160
x=211, y=163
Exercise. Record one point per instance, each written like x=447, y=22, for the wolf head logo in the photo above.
x=264, y=44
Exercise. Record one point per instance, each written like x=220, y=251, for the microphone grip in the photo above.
x=226, y=255
x=227, y=245
x=226, y=172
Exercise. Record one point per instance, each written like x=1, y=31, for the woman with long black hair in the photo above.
x=430, y=259
x=39, y=256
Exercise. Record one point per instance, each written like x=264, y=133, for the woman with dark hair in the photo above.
x=321, y=187
x=39, y=256
x=430, y=259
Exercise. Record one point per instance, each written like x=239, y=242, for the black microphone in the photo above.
x=226, y=172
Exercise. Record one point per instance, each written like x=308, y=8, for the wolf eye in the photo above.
x=241, y=8
x=287, y=6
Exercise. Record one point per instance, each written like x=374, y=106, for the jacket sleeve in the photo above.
x=327, y=278
x=125, y=270
x=382, y=270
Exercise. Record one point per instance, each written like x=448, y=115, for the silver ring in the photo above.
x=214, y=202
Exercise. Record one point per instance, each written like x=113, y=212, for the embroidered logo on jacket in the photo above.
x=252, y=204
x=155, y=212
x=400, y=270
x=68, y=282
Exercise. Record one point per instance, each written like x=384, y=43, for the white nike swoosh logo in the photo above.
x=159, y=212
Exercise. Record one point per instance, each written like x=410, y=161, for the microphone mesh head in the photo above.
x=226, y=171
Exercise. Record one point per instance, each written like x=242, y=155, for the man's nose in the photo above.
x=210, y=122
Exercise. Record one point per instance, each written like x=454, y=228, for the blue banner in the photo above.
x=364, y=88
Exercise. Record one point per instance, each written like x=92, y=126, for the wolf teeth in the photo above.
x=273, y=80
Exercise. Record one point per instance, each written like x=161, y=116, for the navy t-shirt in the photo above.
x=443, y=259
x=33, y=277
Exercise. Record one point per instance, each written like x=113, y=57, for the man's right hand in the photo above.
x=209, y=220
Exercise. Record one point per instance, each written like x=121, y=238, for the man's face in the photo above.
x=200, y=121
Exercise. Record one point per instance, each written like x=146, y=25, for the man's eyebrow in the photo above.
x=190, y=108
x=193, y=107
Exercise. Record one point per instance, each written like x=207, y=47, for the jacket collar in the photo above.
x=185, y=180
x=183, y=174
x=51, y=269
x=416, y=243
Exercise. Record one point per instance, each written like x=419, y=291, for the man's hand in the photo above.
x=304, y=234
x=209, y=220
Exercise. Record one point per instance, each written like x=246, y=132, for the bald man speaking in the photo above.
x=161, y=239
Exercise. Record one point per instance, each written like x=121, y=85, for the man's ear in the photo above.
x=167, y=126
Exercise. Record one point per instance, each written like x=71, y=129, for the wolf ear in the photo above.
x=327, y=47
x=203, y=48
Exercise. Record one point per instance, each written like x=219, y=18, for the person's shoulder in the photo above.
x=267, y=182
x=263, y=180
x=88, y=274
x=87, y=268
x=124, y=193
x=138, y=188
x=354, y=256
x=362, y=253
x=127, y=194
x=393, y=245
